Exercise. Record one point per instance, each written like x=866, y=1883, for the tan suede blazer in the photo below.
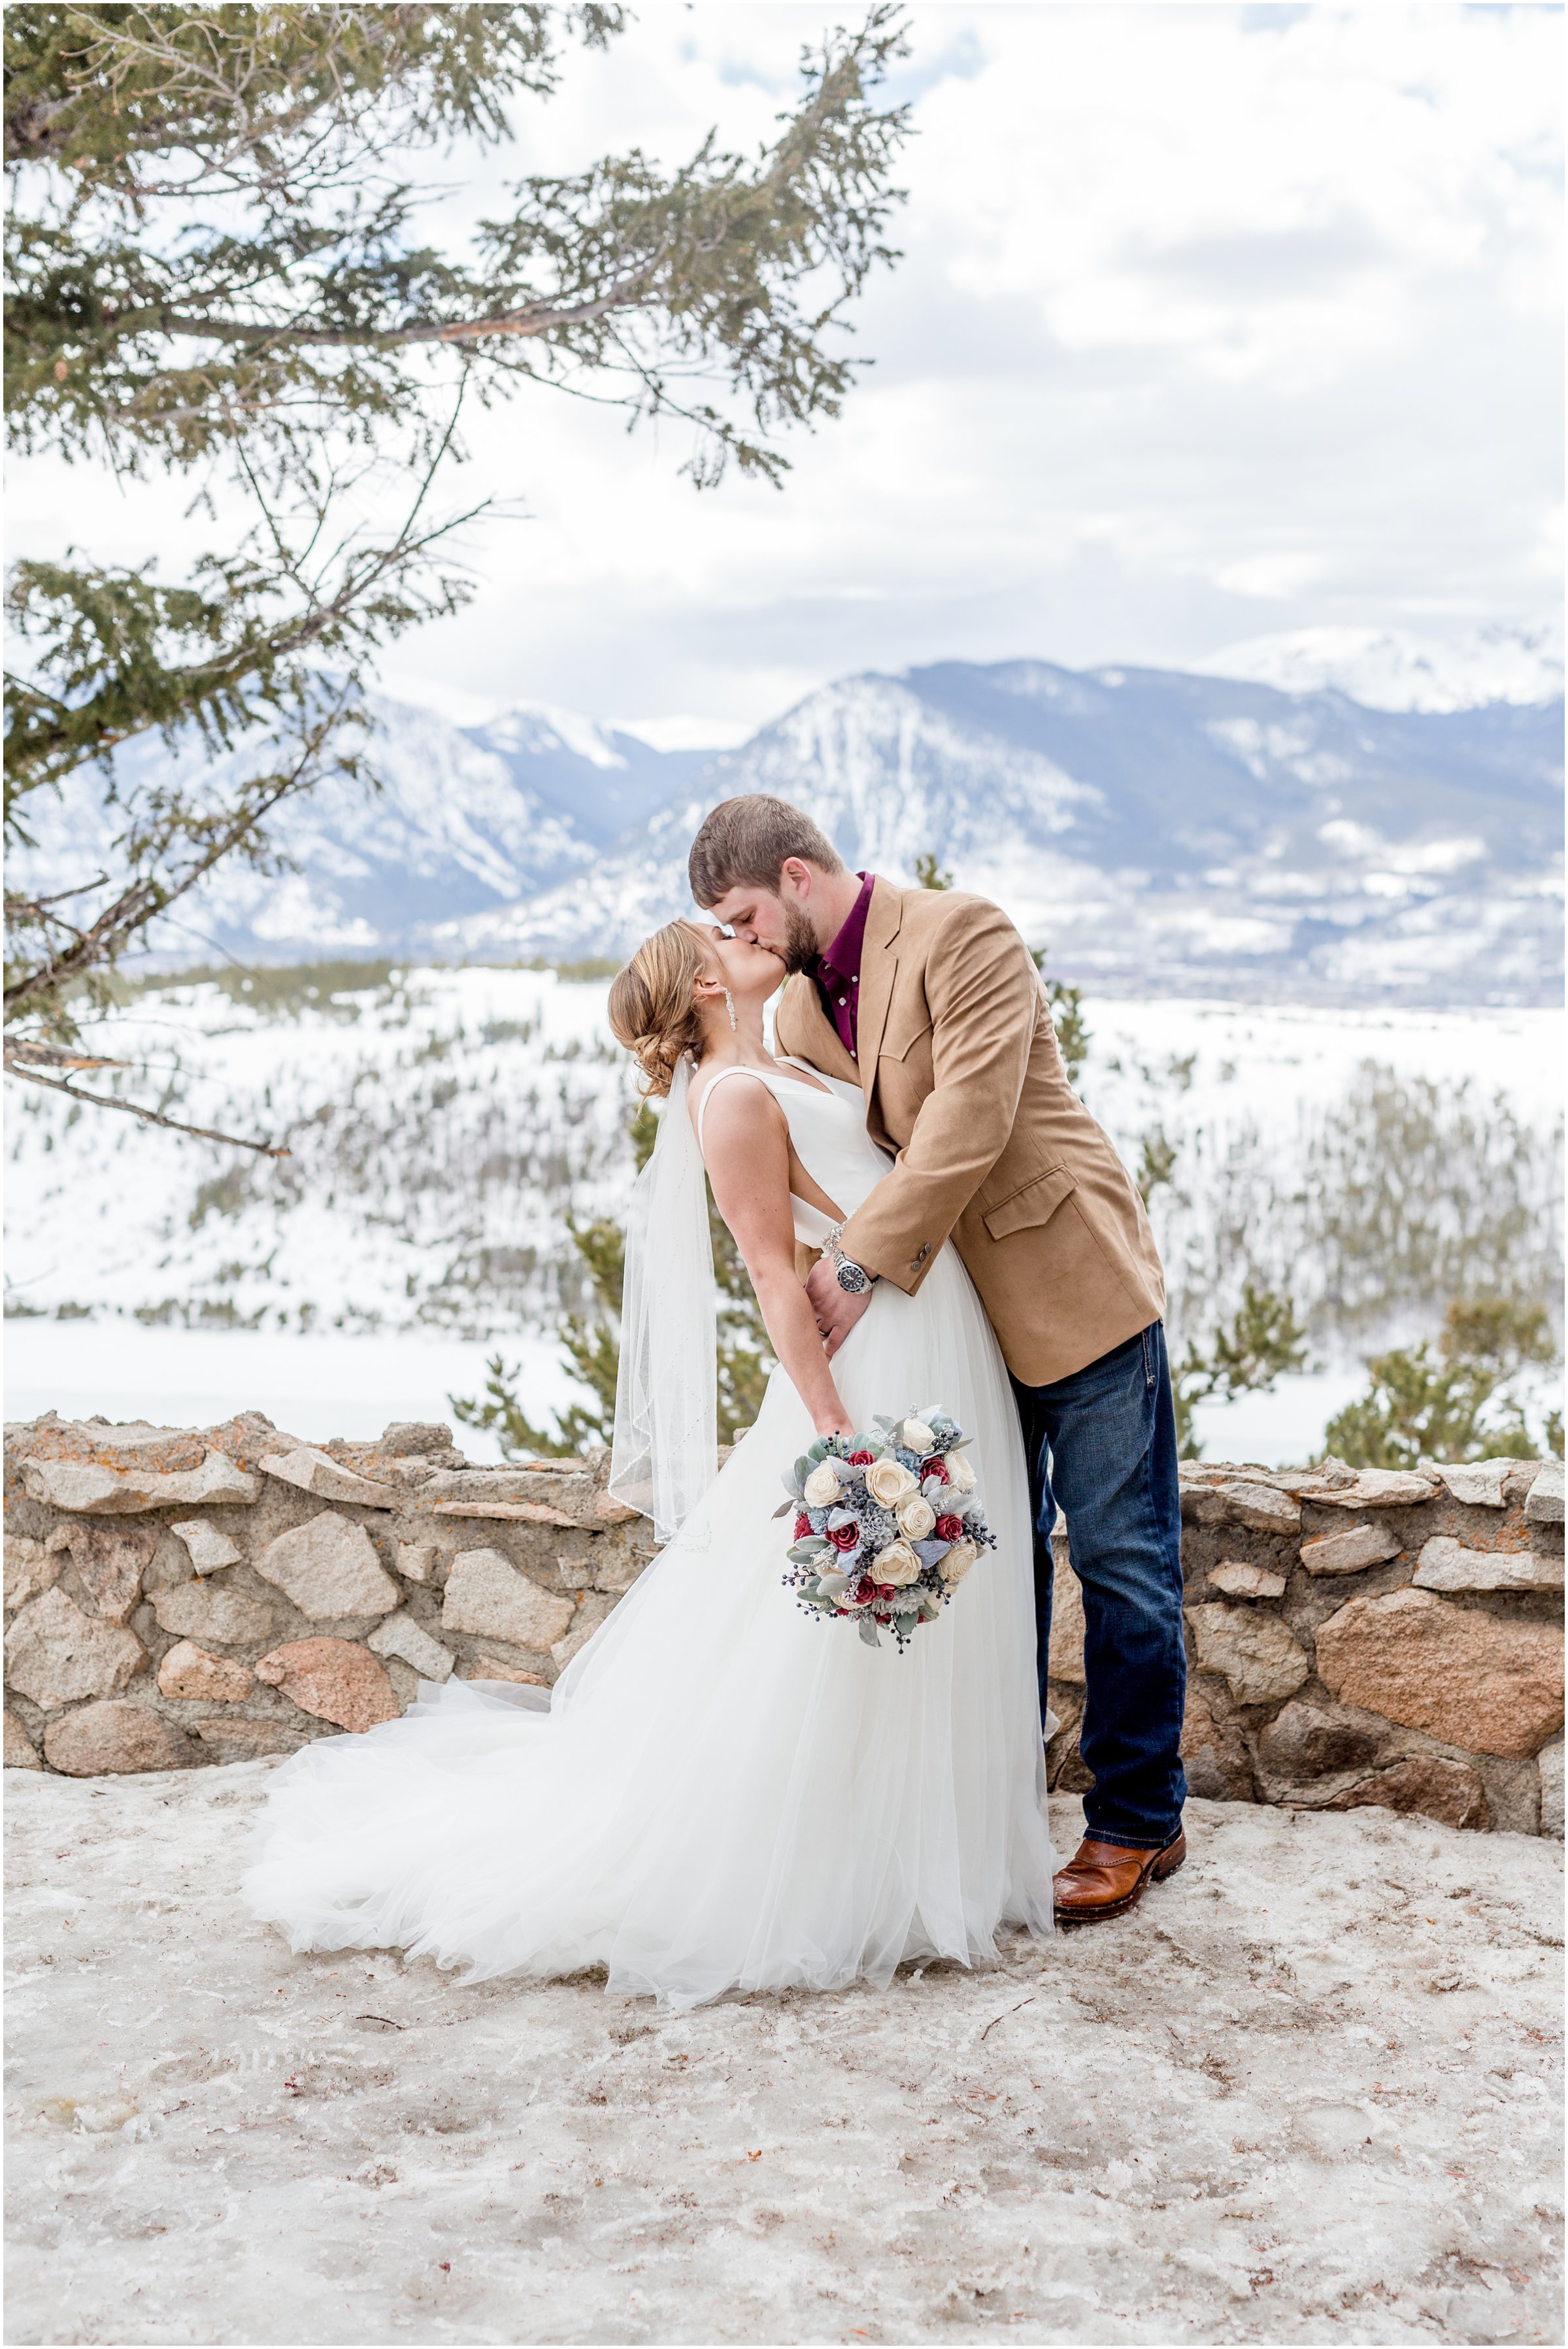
x=964, y=1083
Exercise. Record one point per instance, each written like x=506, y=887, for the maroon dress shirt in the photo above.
x=838, y=972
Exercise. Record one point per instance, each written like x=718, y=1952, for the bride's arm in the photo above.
x=745, y=1140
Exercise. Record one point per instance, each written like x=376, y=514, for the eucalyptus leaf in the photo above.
x=869, y=1632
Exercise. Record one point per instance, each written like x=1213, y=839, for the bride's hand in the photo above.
x=836, y=1311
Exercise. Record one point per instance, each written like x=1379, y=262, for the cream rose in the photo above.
x=958, y=1559
x=896, y=1565
x=887, y=1481
x=916, y=1516
x=961, y=1476
x=822, y=1485
x=918, y=1436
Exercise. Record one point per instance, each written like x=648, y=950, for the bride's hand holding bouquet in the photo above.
x=887, y=1525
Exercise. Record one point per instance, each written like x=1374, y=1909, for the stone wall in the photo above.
x=1372, y=1638
x=177, y=1597
x=187, y=1596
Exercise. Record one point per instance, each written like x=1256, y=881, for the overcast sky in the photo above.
x=1211, y=321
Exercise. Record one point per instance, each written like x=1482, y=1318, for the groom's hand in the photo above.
x=836, y=1311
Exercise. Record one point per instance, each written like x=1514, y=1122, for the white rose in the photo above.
x=916, y=1516
x=821, y=1484
x=918, y=1436
x=896, y=1565
x=961, y=1476
x=957, y=1562
x=887, y=1481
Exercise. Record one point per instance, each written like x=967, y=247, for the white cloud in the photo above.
x=1212, y=319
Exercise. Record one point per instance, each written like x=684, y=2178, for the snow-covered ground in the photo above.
x=446, y=1124
x=1307, y=2092
x=442, y=1125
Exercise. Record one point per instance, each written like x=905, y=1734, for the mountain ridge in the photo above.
x=1254, y=841
x=1390, y=668
x=1162, y=829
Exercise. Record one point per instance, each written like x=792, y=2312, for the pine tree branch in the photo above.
x=16, y=1066
x=107, y=938
x=532, y=318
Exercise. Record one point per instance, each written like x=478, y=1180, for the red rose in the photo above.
x=860, y=1459
x=864, y=1592
x=802, y=1526
x=887, y=1590
x=844, y=1536
x=949, y=1530
x=935, y=1466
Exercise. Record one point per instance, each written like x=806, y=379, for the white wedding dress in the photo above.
x=720, y=1792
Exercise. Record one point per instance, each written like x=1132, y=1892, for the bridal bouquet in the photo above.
x=885, y=1524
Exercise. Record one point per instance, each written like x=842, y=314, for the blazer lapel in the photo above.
x=878, y=963
x=803, y=1030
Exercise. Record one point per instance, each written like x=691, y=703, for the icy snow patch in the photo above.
x=1307, y=2091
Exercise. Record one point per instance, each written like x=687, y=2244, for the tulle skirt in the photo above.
x=720, y=1792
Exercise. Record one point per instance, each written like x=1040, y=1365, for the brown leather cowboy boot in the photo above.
x=1105, y=1880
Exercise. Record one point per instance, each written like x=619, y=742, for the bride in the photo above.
x=720, y=1792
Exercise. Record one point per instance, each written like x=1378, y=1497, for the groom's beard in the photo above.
x=800, y=950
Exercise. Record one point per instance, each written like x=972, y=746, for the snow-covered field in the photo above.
x=446, y=1124
x=1307, y=2092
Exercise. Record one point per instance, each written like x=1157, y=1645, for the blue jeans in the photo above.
x=1102, y=1444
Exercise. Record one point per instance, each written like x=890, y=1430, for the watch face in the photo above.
x=851, y=1277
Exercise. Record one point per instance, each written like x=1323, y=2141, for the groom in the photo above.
x=929, y=1001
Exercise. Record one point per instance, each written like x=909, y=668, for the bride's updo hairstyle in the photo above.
x=653, y=1002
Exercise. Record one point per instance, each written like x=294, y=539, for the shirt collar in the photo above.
x=844, y=955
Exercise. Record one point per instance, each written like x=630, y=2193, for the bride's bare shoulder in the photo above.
x=725, y=1113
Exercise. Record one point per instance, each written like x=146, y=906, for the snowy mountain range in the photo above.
x=1258, y=832
x=1386, y=668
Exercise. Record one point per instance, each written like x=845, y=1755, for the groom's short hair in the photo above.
x=744, y=844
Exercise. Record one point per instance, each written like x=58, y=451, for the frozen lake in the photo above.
x=317, y=1386
x=326, y=1383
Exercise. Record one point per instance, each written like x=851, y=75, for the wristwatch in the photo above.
x=852, y=1278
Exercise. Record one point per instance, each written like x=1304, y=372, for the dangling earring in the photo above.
x=730, y=1007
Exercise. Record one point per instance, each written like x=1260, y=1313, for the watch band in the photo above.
x=852, y=1278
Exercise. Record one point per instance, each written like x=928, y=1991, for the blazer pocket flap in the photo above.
x=901, y=1038
x=1036, y=1203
